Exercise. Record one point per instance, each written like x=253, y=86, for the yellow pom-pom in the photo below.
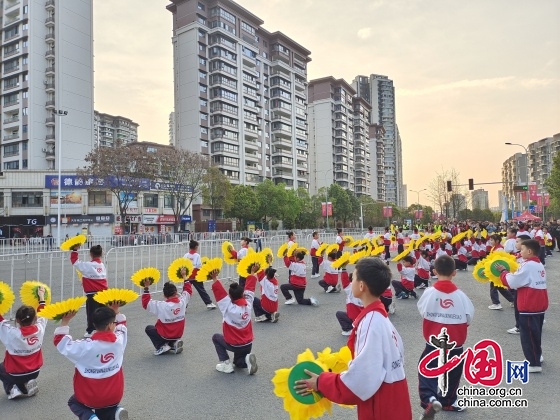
x=68, y=244
x=56, y=311
x=205, y=272
x=29, y=293
x=7, y=298
x=174, y=270
x=149, y=273
x=282, y=250
x=246, y=264
x=342, y=261
x=292, y=249
x=118, y=296
x=227, y=247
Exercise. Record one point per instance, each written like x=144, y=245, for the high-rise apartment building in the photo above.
x=541, y=154
x=110, y=130
x=47, y=65
x=479, y=199
x=240, y=93
x=379, y=91
x=172, y=141
x=514, y=172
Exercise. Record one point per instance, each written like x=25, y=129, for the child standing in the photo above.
x=387, y=244
x=330, y=280
x=94, y=279
x=297, y=281
x=375, y=380
x=266, y=308
x=456, y=318
x=405, y=286
x=240, y=254
x=24, y=357
x=170, y=326
x=339, y=242
x=98, y=375
x=422, y=276
x=494, y=242
x=314, y=257
x=400, y=241
x=194, y=256
x=237, y=329
x=532, y=300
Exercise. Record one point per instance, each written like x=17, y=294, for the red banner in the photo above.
x=539, y=200
x=547, y=200
x=418, y=214
x=532, y=191
x=538, y=209
x=388, y=211
x=326, y=207
x=523, y=196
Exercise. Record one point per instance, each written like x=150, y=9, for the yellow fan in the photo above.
x=379, y=240
x=268, y=256
x=68, y=244
x=347, y=240
x=282, y=251
x=149, y=273
x=401, y=255
x=484, y=233
x=332, y=248
x=342, y=261
x=29, y=296
x=246, y=264
x=322, y=248
x=377, y=251
x=499, y=257
x=478, y=272
x=119, y=296
x=56, y=311
x=459, y=236
x=227, y=247
x=174, y=270
x=302, y=249
x=357, y=256
x=213, y=264
x=292, y=249
x=7, y=298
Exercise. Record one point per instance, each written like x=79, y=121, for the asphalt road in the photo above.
x=188, y=386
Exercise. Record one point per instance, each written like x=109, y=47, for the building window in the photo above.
x=203, y=143
x=24, y=144
x=247, y=28
x=11, y=150
x=203, y=102
x=151, y=200
x=202, y=61
x=201, y=6
x=202, y=88
x=202, y=74
x=27, y=199
x=11, y=165
x=203, y=116
x=24, y=111
x=1, y=200
x=168, y=201
x=24, y=163
x=99, y=198
x=203, y=130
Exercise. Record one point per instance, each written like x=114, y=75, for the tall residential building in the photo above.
x=377, y=153
x=240, y=93
x=541, y=154
x=47, y=65
x=172, y=141
x=514, y=172
x=111, y=129
x=379, y=91
x=479, y=199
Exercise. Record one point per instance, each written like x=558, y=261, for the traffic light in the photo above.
x=449, y=186
x=471, y=184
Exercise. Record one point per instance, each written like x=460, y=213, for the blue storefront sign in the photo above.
x=186, y=219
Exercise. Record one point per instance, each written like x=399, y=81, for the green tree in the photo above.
x=216, y=190
x=552, y=184
x=243, y=205
x=271, y=198
x=309, y=216
x=342, y=207
x=291, y=208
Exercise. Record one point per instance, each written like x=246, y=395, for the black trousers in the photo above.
x=400, y=248
x=515, y=309
x=419, y=280
x=530, y=331
x=84, y=412
x=258, y=309
x=398, y=286
x=242, y=281
x=472, y=261
x=199, y=286
x=9, y=380
x=326, y=285
x=461, y=265
x=158, y=340
x=386, y=302
x=298, y=293
x=542, y=254
x=91, y=306
x=239, y=352
x=344, y=321
x=496, y=298
x=387, y=252
x=315, y=265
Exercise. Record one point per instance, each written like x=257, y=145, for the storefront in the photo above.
x=88, y=224
x=20, y=227
x=157, y=223
x=132, y=224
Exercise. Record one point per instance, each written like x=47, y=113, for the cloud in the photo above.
x=364, y=33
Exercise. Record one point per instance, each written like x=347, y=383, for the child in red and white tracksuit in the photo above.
x=400, y=241
x=353, y=305
x=194, y=256
x=330, y=278
x=315, y=244
x=170, y=326
x=297, y=282
x=98, y=375
x=423, y=269
x=405, y=286
x=237, y=328
x=387, y=245
x=239, y=255
x=266, y=308
x=462, y=259
x=23, y=358
x=94, y=279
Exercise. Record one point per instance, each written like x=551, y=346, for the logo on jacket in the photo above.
x=245, y=316
x=446, y=303
x=32, y=340
x=176, y=311
x=99, y=269
x=106, y=358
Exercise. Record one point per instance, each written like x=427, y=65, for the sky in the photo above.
x=469, y=75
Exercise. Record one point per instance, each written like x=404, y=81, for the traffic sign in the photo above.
x=532, y=209
x=520, y=188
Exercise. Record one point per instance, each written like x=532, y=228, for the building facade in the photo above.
x=514, y=172
x=110, y=130
x=240, y=93
x=541, y=155
x=479, y=199
x=47, y=65
x=172, y=141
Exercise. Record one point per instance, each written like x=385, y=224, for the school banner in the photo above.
x=326, y=207
x=387, y=211
x=546, y=200
x=533, y=191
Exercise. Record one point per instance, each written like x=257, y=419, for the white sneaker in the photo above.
x=513, y=330
x=329, y=289
x=535, y=369
x=542, y=358
x=290, y=301
x=251, y=361
x=177, y=347
x=346, y=333
x=211, y=306
x=121, y=414
x=275, y=317
x=225, y=366
x=392, y=308
x=88, y=335
x=511, y=305
x=261, y=318
x=32, y=388
x=422, y=286
x=314, y=301
x=495, y=306
x=15, y=393
x=163, y=349
x=338, y=288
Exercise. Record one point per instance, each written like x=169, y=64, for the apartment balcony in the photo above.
x=249, y=61
x=49, y=87
x=49, y=22
x=282, y=152
x=300, y=86
x=49, y=71
x=284, y=110
x=276, y=116
x=49, y=53
x=11, y=69
x=49, y=105
x=9, y=137
x=49, y=38
x=11, y=53
x=11, y=121
x=281, y=132
x=10, y=104
x=250, y=133
x=50, y=121
x=49, y=5
x=251, y=144
x=50, y=138
x=282, y=142
x=284, y=164
x=253, y=157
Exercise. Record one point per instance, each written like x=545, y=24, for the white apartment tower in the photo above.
x=110, y=130
x=47, y=65
x=379, y=91
x=172, y=141
x=240, y=93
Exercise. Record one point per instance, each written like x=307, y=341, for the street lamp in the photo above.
x=326, y=194
x=59, y=113
x=526, y=168
x=418, y=198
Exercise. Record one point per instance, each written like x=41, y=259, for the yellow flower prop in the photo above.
x=484, y=234
x=292, y=249
x=393, y=238
x=354, y=258
x=56, y=311
x=283, y=389
x=478, y=272
x=68, y=244
x=342, y=261
x=204, y=260
x=302, y=249
x=214, y=264
x=377, y=251
x=379, y=240
x=322, y=248
x=347, y=240
x=332, y=248
x=459, y=236
x=282, y=251
x=80, y=275
x=499, y=257
x=401, y=255
x=119, y=296
x=174, y=270
x=355, y=244
x=246, y=264
x=336, y=362
x=149, y=273
x=7, y=298
x=268, y=257
x=29, y=296
x=227, y=247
